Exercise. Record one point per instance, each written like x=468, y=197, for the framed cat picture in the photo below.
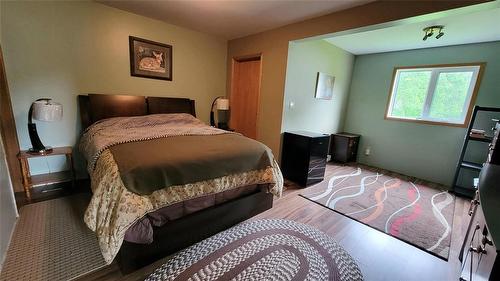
x=150, y=59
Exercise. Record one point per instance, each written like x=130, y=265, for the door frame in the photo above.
x=9, y=132
x=251, y=57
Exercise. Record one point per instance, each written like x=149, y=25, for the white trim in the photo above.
x=431, y=89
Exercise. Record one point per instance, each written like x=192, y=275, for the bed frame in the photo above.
x=185, y=231
x=95, y=107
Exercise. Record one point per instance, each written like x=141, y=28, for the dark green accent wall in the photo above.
x=425, y=151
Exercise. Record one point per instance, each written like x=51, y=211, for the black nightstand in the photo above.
x=303, y=159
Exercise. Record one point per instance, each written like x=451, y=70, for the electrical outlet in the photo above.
x=368, y=151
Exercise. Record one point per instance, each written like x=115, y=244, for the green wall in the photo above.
x=61, y=49
x=305, y=60
x=425, y=151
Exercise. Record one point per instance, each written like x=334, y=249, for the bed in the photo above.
x=162, y=180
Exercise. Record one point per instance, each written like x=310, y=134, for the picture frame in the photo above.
x=324, y=86
x=150, y=59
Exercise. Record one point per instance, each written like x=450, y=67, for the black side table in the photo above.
x=303, y=158
x=344, y=147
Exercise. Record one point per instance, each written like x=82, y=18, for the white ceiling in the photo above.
x=231, y=19
x=475, y=27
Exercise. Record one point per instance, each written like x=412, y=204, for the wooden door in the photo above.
x=244, y=99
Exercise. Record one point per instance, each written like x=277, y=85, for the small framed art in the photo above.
x=150, y=59
x=324, y=86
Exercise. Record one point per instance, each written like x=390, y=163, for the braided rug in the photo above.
x=273, y=249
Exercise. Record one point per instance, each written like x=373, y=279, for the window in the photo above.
x=433, y=94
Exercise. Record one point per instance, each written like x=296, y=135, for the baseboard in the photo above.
x=4, y=254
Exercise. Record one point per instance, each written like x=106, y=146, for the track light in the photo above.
x=439, y=35
x=430, y=30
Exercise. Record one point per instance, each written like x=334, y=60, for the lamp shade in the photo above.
x=47, y=110
x=222, y=104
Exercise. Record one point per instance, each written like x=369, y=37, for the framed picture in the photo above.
x=324, y=86
x=150, y=59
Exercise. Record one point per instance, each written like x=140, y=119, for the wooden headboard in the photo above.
x=95, y=107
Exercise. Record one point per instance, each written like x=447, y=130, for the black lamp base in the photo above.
x=37, y=146
x=222, y=125
x=212, y=118
x=45, y=150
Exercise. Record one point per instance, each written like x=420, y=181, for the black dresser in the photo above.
x=479, y=254
x=303, y=158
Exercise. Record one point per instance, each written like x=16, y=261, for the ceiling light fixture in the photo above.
x=430, y=30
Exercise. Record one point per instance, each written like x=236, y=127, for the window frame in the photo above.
x=477, y=68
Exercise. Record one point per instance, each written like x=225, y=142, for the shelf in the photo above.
x=65, y=150
x=482, y=139
x=471, y=165
x=52, y=178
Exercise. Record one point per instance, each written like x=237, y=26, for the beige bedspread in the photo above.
x=113, y=208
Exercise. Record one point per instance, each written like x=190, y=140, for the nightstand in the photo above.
x=30, y=181
x=344, y=147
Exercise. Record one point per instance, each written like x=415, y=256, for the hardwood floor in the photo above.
x=380, y=256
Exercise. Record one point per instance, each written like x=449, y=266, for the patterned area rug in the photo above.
x=414, y=213
x=51, y=242
x=262, y=250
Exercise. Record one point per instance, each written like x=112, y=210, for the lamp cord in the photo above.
x=48, y=166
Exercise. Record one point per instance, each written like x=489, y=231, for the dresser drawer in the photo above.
x=480, y=253
x=319, y=147
x=304, y=157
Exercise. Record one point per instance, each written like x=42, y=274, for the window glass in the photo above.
x=436, y=94
x=450, y=95
x=411, y=92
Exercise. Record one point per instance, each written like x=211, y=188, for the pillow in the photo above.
x=107, y=106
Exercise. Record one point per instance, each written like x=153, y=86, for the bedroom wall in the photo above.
x=305, y=59
x=273, y=45
x=61, y=49
x=426, y=151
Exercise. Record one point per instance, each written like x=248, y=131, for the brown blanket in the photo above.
x=113, y=131
x=147, y=166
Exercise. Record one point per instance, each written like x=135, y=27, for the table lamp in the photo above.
x=43, y=109
x=221, y=104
